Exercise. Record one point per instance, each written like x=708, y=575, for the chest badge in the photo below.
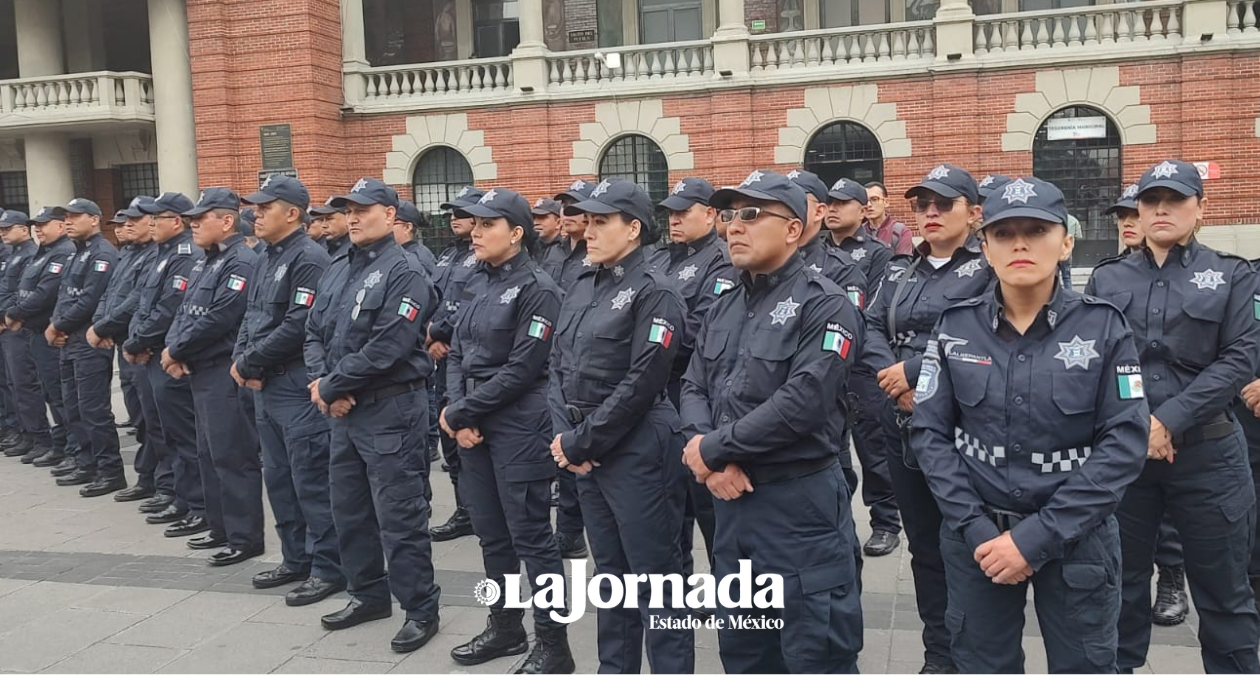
x=372, y=279
x=969, y=269
x=687, y=272
x=217, y=264
x=282, y=270
x=586, y=262
x=783, y=311
x=470, y=261
x=1077, y=353
x=623, y=298
x=859, y=254
x=509, y=295
x=816, y=269
x=1209, y=279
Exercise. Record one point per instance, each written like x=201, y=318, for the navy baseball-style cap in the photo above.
x=617, y=196
x=79, y=205
x=215, y=198
x=409, y=213
x=10, y=218
x=467, y=196
x=687, y=193
x=248, y=216
x=810, y=183
x=500, y=203
x=766, y=186
x=1127, y=200
x=119, y=218
x=948, y=180
x=326, y=209
x=547, y=207
x=579, y=191
x=368, y=192
x=45, y=215
x=286, y=188
x=168, y=201
x=846, y=190
x=136, y=208
x=989, y=183
x=1026, y=198
x=1173, y=174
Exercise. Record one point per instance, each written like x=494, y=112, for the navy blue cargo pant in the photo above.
x=868, y=439
x=8, y=403
x=1209, y=493
x=698, y=508
x=179, y=431
x=154, y=462
x=632, y=505
x=1251, y=431
x=24, y=382
x=801, y=529
x=1077, y=599
x=507, y=489
x=295, y=438
x=227, y=448
x=48, y=366
x=86, y=377
x=127, y=374
x=377, y=475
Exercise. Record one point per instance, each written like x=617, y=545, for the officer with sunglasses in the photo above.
x=1197, y=323
x=945, y=269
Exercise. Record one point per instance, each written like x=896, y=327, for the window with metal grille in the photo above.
x=1083, y=159
x=139, y=179
x=440, y=174
x=13, y=191
x=639, y=159
x=845, y=150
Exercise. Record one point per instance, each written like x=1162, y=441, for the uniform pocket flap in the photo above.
x=528, y=472
x=387, y=444
x=826, y=576
x=714, y=343
x=1073, y=393
x=1236, y=506
x=1084, y=577
x=772, y=346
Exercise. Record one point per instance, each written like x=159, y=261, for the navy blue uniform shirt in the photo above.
x=838, y=266
x=576, y=263
x=423, y=255
x=113, y=314
x=205, y=327
x=701, y=271
x=869, y=254
x=83, y=284
x=19, y=257
x=455, y=266
x=40, y=284
x=162, y=292
x=551, y=256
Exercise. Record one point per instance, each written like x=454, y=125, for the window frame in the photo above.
x=441, y=185
x=849, y=149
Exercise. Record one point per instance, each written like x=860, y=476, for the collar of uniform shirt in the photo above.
x=1046, y=318
x=1187, y=252
x=373, y=250
x=222, y=247
x=627, y=265
x=514, y=263
x=181, y=238
x=972, y=245
x=762, y=282
x=694, y=247
x=279, y=247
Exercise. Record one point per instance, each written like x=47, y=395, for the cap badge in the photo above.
x=463, y=191
x=840, y=185
x=794, y=174
x=266, y=184
x=1018, y=191
x=987, y=181
x=360, y=186
x=578, y=185
x=754, y=177
x=487, y=197
x=600, y=189
x=938, y=173
x=1165, y=169
x=1130, y=192
x=679, y=187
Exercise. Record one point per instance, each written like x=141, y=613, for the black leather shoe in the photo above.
x=134, y=494
x=60, y=463
x=504, y=636
x=9, y=438
x=77, y=477
x=882, y=542
x=19, y=448
x=414, y=635
x=189, y=526
x=125, y=425
x=279, y=576
x=1170, y=597
x=938, y=669
x=207, y=542
x=312, y=591
x=354, y=614
x=157, y=504
x=460, y=525
x=573, y=547
x=231, y=556
x=103, y=486
x=171, y=514
x=36, y=454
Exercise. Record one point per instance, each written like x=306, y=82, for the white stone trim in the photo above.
x=1095, y=87
x=129, y=147
x=11, y=156
x=827, y=105
x=615, y=119
x=427, y=131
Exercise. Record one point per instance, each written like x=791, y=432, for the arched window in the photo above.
x=1078, y=149
x=845, y=150
x=440, y=174
x=639, y=159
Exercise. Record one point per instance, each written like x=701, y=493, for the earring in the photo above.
x=514, y=242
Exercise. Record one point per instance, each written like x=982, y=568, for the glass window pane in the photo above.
x=13, y=191
x=138, y=179
x=687, y=24
x=655, y=26
x=837, y=13
x=845, y=150
x=925, y=10
x=440, y=174
x=1089, y=172
x=639, y=159
x=872, y=12
x=608, y=19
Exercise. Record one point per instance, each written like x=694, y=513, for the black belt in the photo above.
x=1219, y=427
x=285, y=367
x=389, y=390
x=778, y=473
x=577, y=413
x=1004, y=520
x=212, y=363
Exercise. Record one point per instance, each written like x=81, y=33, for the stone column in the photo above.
x=1205, y=17
x=172, y=96
x=353, y=51
x=955, y=25
x=531, y=25
x=38, y=24
x=529, y=59
x=730, y=41
x=49, y=180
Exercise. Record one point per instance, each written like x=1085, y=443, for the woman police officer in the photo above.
x=497, y=385
x=1195, y=320
x=615, y=343
x=1029, y=422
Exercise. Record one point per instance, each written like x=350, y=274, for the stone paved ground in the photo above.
x=87, y=586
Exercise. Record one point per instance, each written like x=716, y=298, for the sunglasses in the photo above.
x=1155, y=197
x=921, y=204
x=748, y=214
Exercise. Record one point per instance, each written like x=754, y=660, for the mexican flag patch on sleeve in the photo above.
x=539, y=328
x=236, y=282
x=661, y=332
x=408, y=310
x=304, y=297
x=1129, y=382
x=101, y=266
x=837, y=340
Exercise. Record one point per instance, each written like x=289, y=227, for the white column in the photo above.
x=731, y=18
x=955, y=26
x=531, y=25
x=1204, y=17
x=48, y=176
x=172, y=96
x=529, y=59
x=353, y=51
x=730, y=41
x=38, y=24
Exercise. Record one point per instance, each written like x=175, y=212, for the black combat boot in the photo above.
x=551, y=652
x=504, y=636
x=460, y=525
x=1170, y=597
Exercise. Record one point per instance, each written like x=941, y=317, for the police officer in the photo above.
x=28, y=316
x=573, y=227
x=293, y=434
x=830, y=261
x=109, y=330
x=161, y=293
x=408, y=225
x=313, y=223
x=245, y=226
x=455, y=266
x=1029, y=423
x=10, y=430
x=1128, y=224
x=335, y=227
x=86, y=370
x=945, y=269
x=497, y=386
x=33, y=443
x=131, y=396
x=847, y=201
x=1188, y=306
x=700, y=267
x=364, y=351
x=551, y=244
x=758, y=399
x=618, y=335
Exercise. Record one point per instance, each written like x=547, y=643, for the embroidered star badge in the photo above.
x=509, y=295
x=1208, y=279
x=1164, y=169
x=373, y=279
x=619, y=271
x=488, y=196
x=687, y=272
x=839, y=185
x=754, y=177
x=586, y=262
x=470, y=261
x=816, y=269
x=463, y=191
x=969, y=269
x=1018, y=190
x=987, y=181
x=623, y=298
x=600, y=189
x=217, y=264
x=794, y=174
x=1077, y=353
x=282, y=270
x=783, y=311
x=938, y=173
x=679, y=187
x=1130, y=192
x=577, y=185
x=267, y=183
x=859, y=254
x=359, y=186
